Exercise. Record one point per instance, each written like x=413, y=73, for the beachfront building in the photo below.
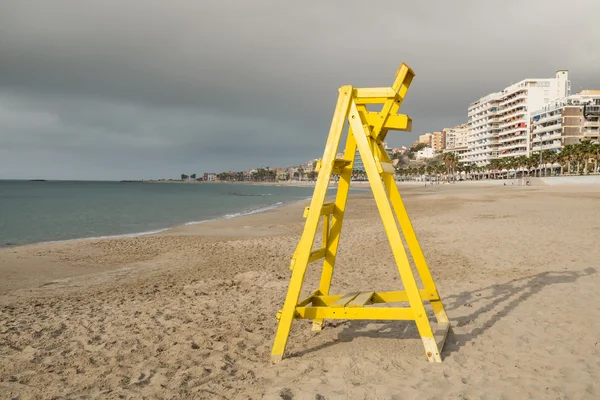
x=499, y=123
x=399, y=150
x=456, y=141
x=483, y=129
x=209, y=177
x=516, y=105
x=426, y=138
x=437, y=141
x=425, y=152
x=566, y=121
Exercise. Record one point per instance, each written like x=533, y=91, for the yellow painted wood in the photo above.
x=337, y=219
x=343, y=301
x=312, y=221
x=366, y=132
x=341, y=164
x=328, y=208
x=377, y=297
x=380, y=92
x=362, y=299
x=416, y=303
x=370, y=313
x=374, y=100
x=326, y=218
x=412, y=242
x=317, y=255
x=398, y=122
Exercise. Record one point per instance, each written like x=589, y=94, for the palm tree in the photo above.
x=595, y=155
x=496, y=166
x=531, y=163
x=586, y=150
x=553, y=157
x=467, y=169
x=520, y=163
x=580, y=156
x=450, y=160
x=567, y=155
x=547, y=156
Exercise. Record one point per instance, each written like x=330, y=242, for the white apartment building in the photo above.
x=566, y=121
x=499, y=123
x=482, y=138
x=425, y=152
x=456, y=141
x=516, y=105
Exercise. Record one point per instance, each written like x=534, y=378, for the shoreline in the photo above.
x=162, y=230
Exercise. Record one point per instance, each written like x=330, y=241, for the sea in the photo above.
x=46, y=211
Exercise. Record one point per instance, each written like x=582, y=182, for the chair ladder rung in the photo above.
x=344, y=300
x=328, y=209
x=338, y=165
x=362, y=299
x=317, y=255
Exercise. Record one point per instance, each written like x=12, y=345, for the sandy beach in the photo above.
x=190, y=312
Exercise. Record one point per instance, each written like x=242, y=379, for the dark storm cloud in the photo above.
x=114, y=89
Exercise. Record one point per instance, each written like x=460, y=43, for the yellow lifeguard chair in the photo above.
x=367, y=131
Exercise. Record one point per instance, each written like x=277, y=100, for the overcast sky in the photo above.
x=152, y=89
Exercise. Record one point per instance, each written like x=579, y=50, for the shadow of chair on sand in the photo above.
x=496, y=300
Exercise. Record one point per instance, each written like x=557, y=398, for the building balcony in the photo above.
x=520, y=95
x=513, y=154
x=510, y=108
x=547, y=128
x=592, y=110
x=521, y=145
x=509, y=139
x=481, y=135
x=483, y=152
x=510, y=123
x=482, y=157
x=541, y=138
x=512, y=131
x=514, y=116
x=550, y=146
x=548, y=117
x=591, y=134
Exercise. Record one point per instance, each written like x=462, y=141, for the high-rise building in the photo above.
x=456, y=141
x=499, y=123
x=437, y=141
x=566, y=121
x=482, y=139
x=426, y=138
